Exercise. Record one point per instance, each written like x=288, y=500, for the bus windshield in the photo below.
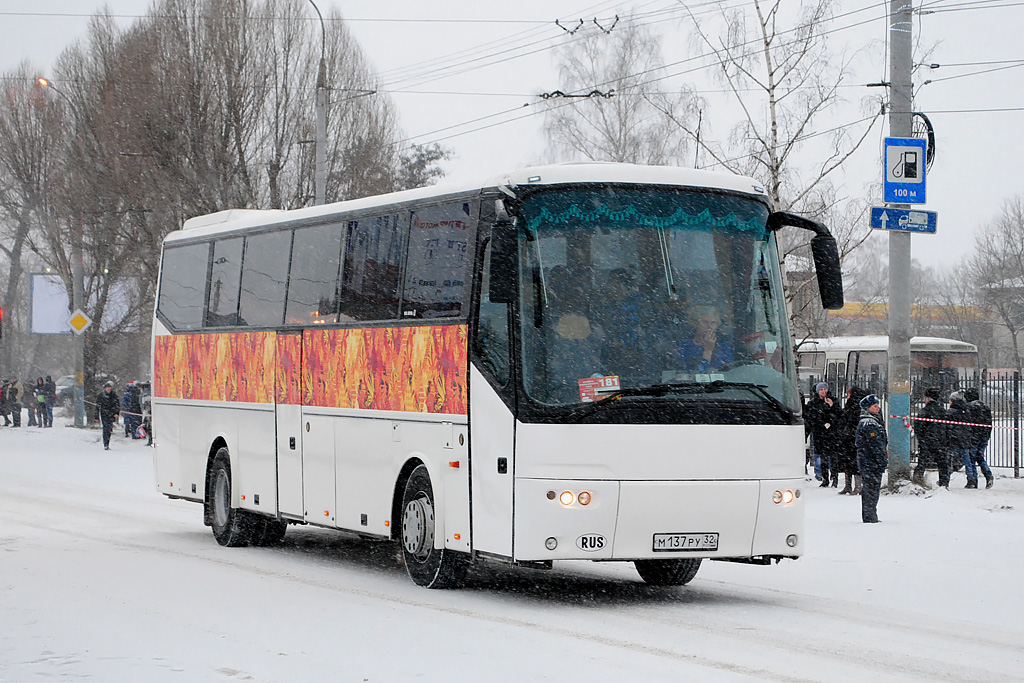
x=627, y=288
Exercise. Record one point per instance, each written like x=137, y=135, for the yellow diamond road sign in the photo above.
x=79, y=322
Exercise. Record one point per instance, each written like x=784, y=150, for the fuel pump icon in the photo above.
x=906, y=166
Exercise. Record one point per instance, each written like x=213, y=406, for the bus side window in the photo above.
x=313, y=282
x=264, y=276
x=370, y=273
x=225, y=278
x=491, y=346
x=183, y=285
x=439, y=263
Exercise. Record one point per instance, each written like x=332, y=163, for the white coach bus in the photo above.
x=583, y=361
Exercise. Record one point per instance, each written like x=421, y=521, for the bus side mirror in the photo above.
x=826, y=256
x=504, y=252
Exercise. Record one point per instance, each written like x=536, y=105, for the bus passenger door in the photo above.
x=491, y=425
x=288, y=397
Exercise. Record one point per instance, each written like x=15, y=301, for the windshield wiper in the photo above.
x=657, y=390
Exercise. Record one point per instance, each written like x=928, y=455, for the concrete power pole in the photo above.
x=900, y=126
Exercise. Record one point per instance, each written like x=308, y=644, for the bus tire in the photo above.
x=667, y=572
x=232, y=527
x=269, y=532
x=427, y=566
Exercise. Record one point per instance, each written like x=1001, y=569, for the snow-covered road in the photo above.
x=101, y=578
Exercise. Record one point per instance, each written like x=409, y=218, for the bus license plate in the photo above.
x=676, y=542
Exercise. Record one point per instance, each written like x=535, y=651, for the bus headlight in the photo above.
x=551, y=543
x=566, y=498
x=787, y=496
x=777, y=497
x=584, y=498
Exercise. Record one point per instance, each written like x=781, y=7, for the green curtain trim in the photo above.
x=633, y=215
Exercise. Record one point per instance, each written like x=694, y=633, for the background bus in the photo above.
x=864, y=361
x=501, y=371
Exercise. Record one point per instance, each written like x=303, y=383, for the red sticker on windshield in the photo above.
x=595, y=388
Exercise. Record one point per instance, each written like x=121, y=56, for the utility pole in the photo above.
x=320, y=180
x=900, y=126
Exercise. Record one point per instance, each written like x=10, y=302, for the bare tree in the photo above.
x=998, y=266
x=615, y=111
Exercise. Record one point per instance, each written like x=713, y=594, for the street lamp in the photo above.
x=77, y=291
x=321, y=115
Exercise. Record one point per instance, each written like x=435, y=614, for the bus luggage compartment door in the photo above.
x=288, y=411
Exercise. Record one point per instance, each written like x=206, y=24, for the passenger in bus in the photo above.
x=624, y=351
x=931, y=439
x=574, y=345
x=709, y=349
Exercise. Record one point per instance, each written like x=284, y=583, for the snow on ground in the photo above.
x=103, y=579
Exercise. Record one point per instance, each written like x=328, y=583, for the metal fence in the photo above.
x=1004, y=395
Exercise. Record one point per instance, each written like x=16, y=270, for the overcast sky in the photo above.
x=500, y=57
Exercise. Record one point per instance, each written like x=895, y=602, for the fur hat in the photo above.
x=819, y=386
x=109, y=384
x=933, y=393
x=971, y=394
x=868, y=401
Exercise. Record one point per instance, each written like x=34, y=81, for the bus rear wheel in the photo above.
x=427, y=566
x=667, y=572
x=232, y=527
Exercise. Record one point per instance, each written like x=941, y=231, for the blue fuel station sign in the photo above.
x=904, y=171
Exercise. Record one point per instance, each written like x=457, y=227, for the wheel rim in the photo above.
x=418, y=527
x=221, y=492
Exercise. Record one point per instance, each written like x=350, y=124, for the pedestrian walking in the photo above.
x=28, y=399
x=931, y=440
x=50, y=389
x=961, y=437
x=14, y=400
x=5, y=404
x=872, y=456
x=39, y=392
x=822, y=416
x=981, y=415
x=108, y=406
x=848, y=421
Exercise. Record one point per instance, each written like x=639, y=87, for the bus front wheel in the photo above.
x=667, y=572
x=427, y=566
x=232, y=527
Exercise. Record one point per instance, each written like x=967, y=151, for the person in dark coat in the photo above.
x=50, y=391
x=5, y=405
x=28, y=399
x=14, y=400
x=932, y=439
x=960, y=436
x=108, y=407
x=823, y=417
x=872, y=456
x=39, y=402
x=981, y=415
x=849, y=418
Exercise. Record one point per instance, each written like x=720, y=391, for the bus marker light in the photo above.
x=791, y=540
x=551, y=495
x=584, y=498
x=787, y=497
x=387, y=522
x=243, y=496
x=566, y=498
x=454, y=464
x=327, y=513
x=551, y=543
x=797, y=493
x=777, y=497
x=458, y=536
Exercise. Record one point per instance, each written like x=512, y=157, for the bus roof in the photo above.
x=235, y=219
x=881, y=342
